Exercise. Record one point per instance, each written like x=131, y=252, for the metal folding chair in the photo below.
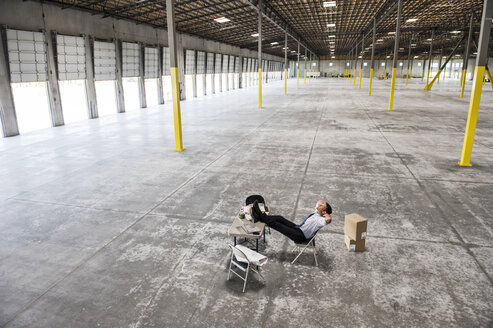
x=304, y=246
x=245, y=267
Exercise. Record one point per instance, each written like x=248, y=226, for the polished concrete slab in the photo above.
x=103, y=224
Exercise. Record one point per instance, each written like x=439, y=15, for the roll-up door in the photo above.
x=130, y=54
x=166, y=61
x=231, y=64
x=245, y=64
x=151, y=63
x=71, y=57
x=27, y=56
x=210, y=63
x=200, y=62
x=237, y=64
x=218, y=63
x=189, y=62
x=225, y=63
x=104, y=61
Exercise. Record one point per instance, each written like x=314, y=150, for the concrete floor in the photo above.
x=102, y=224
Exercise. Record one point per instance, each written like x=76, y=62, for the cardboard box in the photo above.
x=353, y=245
x=355, y=227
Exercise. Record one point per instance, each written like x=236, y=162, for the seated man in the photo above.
x=298, y=233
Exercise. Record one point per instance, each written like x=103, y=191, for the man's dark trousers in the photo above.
x=284, y=226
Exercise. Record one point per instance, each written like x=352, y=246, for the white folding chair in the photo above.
x=243, y=266
x=304, y=246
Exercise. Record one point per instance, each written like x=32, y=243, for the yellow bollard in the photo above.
x=437, y=77
x=298, y=78
x=472, y=116
x=489, y=77
x=392, y=88
x=175, y=89
x=259, y=88
x=371, y=80
x=407, y=76
x=463, y=82
x=427, y=77
x=285, y=81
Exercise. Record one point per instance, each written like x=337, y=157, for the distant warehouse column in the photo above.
x=285, y=62
x=120, y=100
x=53, y=89
x=298, y=68
x=160, y=95
x=175, y=86
x=259, y=53
x=477, y=84
x=142, y=86
x=372, y=66
x=7, y=107
x=92, y=102
x=396, y=53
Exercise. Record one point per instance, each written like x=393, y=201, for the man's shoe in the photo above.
x=256, y=212
x=255, y=216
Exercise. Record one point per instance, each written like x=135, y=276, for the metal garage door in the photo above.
x=189, y=62
x=237, y=64
x=104, y=61
x=130, y=59
x=210, y=63
x=231, y=64
x=166, y=61
x=27, y=56
x=225, y=63
x=218, y=63
x=200, y=62
x=151, y=63
x=71, y=57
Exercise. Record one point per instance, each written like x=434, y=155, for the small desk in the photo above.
x=236, y=230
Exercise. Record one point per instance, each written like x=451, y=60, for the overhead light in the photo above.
x=391, y=33
x=411, y=20
x=255, y=35
x=413, y=44
x=429, y=39
x=474, y=53
x=332, y=36
x=380, y=40
x=416, y=56
x=329, y=4
x=360, y=57
x=388, y=56
x=274, y=43
x=222, y=20
x=455, y=32
x=331, y=25
x=333, y=57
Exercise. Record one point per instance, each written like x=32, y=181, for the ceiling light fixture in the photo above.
x=331, y=25
x=380, y=40
x=222, y=20
x=255, y=35
x=455, y=32
x=274, y=43
x=329, y=4
x=411, y=20
x=391, y=33
x=332, y=36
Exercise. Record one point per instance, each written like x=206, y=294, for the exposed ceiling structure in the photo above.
x=326, y=28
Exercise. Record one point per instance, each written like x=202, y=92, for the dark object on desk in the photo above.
x=252, y=198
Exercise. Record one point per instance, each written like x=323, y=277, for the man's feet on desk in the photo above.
x=256, y=212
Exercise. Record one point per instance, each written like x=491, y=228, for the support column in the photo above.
x=92, y=101
x=285, y=63
x=396, y=53
x=298, y=68
x=409, y=58
x=385, y=67
x=437, y=76
x=304, y=82
x=481, y=63
x=361, y=67
x=221, y=73
x=194, y=75
x=440, y=62
x=259, y=53
x=430, y=56
x=204, y=80
x=175, y=86
x=423, y=72
x=355, y=62
x=466, y=57
x=141, y=79
x=53, y=89
x=160, y=95
x=372, y=66
x=240, y=74
x=213, y=75
x=120, y=100
x=10, y=127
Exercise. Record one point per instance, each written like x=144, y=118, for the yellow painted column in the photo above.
x=297, y=78
x=371, y=81
x=407, y=76
x=436, y=78
x=378, y=72
x=360, y=77
x=259, y=88
x=175, y=90
x=285, y=81
x=427, y=78
x=472, y=117
x=392, y=88
x=461, y=75
x=463, y=82
x=489, y=77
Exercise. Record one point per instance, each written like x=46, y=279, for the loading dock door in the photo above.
x=104, y=61
x=130, y=54
x=71, y=57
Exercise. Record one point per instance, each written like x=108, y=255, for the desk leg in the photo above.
x=257, y=245
x=264, y=236
x=234, y=241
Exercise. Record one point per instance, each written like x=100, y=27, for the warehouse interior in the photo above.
x=133, y=131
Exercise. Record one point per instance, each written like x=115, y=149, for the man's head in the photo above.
x=323, y=207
